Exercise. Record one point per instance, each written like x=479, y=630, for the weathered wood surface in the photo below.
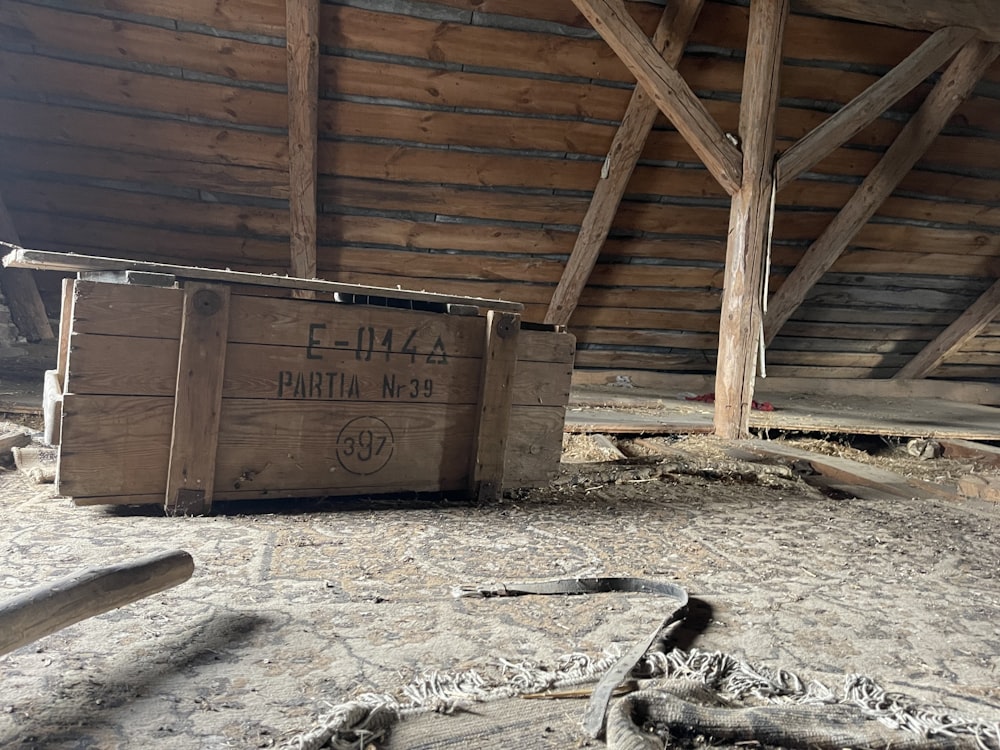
x=197, y=394
x=669, y=39
x=495, y=398
x=52, y=606
x=957, y=82
x=17, y=257
x=980, y=314
x=611, y=409
x=446, y=173
x=302, y=43
x=843, y=471
x=667, y=88
x=867, y=106
x=315, y=398
x=750, y=223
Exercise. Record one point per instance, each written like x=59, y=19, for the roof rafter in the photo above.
x=954, y=337
x=869, y=104
x=671, y=35
x=667, y=88
x=955, y=85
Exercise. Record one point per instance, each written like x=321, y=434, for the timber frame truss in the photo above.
x=751, y=171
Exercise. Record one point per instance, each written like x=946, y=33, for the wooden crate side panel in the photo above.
x=114, y=445
x=117, y=446
x=342, y=448
x=534, y=446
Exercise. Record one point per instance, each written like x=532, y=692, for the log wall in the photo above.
x=459, y=143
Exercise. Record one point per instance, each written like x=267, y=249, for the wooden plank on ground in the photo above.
x=846, y=471
x=981, y=453
x=197, y=399
x=489, y=447
x=671, y=36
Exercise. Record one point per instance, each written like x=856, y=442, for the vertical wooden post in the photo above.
x=740, y=326
x=197, y=399
x=495, y=399
x=20, y=290
x=302, y=43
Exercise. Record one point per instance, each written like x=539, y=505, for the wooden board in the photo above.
x=42, y=260
x=610, y=409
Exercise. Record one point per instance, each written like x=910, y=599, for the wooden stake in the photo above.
x=868, y=105
x=955, y=85
x=667, y=88
x=19, y=288
x=671, y=35
x=197, y=399
x=954, y=337
x=57, y=605
x=740, y=327
x=302, y=42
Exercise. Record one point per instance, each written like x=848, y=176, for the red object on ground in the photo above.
x=709, y=398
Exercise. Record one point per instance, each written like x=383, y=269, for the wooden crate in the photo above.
x=207, y=390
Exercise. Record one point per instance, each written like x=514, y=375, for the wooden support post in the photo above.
x=954, y=337
x=302, y=43
x=740, y=326
x=667, y=88
x=671, y=35
x=20, y=290
x=872, y=102
x=495, y=399
x=955, y=85
x=197, y=399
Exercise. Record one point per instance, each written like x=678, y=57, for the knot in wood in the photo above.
x=506, y=325
x=206, y=302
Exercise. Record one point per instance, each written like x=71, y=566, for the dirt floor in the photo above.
x=298, y=605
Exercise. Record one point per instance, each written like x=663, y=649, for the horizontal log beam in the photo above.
x=925, y=15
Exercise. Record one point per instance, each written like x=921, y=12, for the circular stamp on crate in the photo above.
x=365, y=445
